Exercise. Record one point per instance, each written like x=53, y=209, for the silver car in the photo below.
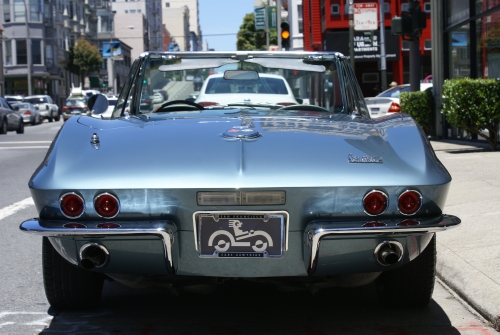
x=303, y=194
x=45, y=106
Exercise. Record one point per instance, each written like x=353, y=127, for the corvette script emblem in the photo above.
x=365, y=159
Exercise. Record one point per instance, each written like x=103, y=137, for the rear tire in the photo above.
x=57, y=117
x=66, y=285
x=412, y=284
x=20, y=129
x=3, y=127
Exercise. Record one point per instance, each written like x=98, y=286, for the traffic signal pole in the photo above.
x=415, y=67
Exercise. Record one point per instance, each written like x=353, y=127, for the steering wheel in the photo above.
x=178, y=102
x=304, y=108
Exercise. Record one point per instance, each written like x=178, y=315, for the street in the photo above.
x=237, y=307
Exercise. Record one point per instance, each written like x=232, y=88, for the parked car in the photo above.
x=146, y=102
x=74, y=106
x=14, y=98
x=28, y=112
x=303, y=196
x=267, y=88
x=10, y=118
x=388, y=101
x=45, y=106
x=157, y=98
x=164, y=94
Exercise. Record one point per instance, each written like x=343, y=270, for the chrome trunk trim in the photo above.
x=163, y=229
x=321, y=229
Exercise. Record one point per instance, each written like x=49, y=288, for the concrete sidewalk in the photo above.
x=469, y=255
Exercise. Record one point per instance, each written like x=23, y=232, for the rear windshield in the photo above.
x=112, y=102
x=261, y=86
x=35, y=100
x=75, y=102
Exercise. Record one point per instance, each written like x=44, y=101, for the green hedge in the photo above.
x=419, y=106
x=473, y=105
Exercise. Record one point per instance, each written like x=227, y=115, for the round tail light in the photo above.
x=409, y=202
x=375, y=202
x=106, y=205
x=72, y=205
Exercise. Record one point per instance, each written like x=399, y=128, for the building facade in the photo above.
x=465, y=43
x=37, y=39
x=327, y=23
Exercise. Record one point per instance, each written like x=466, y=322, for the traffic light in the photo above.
x=285, y=35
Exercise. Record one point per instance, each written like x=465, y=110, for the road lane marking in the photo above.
x=32, y=147
x=31, y=142
x=14, y=208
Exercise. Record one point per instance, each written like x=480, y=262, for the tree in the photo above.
x=83, y=59
x=251, y=39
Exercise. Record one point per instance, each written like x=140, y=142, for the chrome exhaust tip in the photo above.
x=93, y=255
x=388, y=253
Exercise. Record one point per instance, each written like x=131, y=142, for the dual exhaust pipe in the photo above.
x=93, y=255
x=388, y=253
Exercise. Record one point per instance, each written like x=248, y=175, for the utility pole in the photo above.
x=415, y=74
x=351, y=34
x=28, y=48
x=383, y=64
x=266, y=16
x=278, y=23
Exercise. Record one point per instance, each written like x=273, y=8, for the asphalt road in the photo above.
x=237, y=307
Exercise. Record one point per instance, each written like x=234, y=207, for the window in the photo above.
x=138, y=11
x=427, y=7
x=167, y=4
x=370, y=77
x=405, y=7
x=300, y=19
x=406, y=45
x=6, y=10
x=36, y=51
x=132, y=11
x=334, y=9
x=49, y=57
x=19, y=11
x=387, y=7
x=428, y=45
x=34, y=10
x=22, y=54
x=8, y=52
x=126, y=11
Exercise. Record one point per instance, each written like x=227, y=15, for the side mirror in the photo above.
x=190, y=99
x=97, y=103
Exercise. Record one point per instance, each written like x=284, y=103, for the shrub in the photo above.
x=419, y=106
x=474, y=106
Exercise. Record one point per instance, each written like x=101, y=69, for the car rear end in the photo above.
x=74, y=106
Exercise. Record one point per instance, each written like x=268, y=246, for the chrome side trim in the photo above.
x=430, y=225
x=285, y=214
x=162, y=229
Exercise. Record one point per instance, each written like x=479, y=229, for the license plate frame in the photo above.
x=241, y=235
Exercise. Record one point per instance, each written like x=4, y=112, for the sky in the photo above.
x=220, y=21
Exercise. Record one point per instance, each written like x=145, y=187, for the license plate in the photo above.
x=241, y=235
x=374, y=109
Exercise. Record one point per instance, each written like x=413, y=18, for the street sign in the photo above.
x=365, y=16
x=260, y=18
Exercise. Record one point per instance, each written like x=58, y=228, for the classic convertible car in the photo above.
x=188, y=195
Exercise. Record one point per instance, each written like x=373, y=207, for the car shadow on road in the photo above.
x=240, y=307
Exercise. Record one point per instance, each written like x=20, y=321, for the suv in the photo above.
x=45, y=106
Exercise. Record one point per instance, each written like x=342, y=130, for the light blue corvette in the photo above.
x=273, y=171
